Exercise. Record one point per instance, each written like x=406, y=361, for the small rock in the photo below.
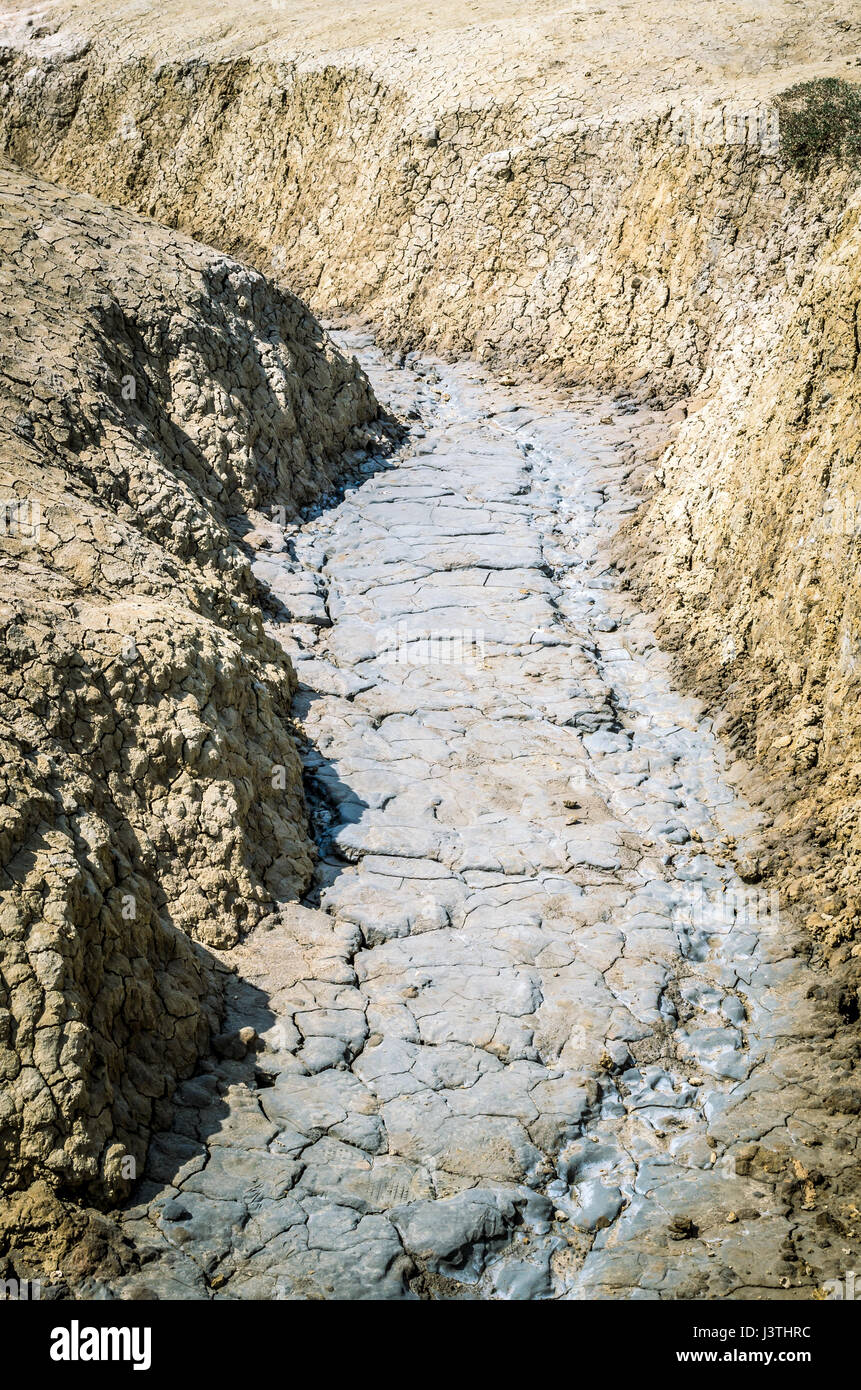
x=682, y=1228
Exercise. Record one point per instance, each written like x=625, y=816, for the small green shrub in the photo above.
x=820, y=120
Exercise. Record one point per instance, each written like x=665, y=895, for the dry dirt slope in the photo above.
x=749, y=545
x=579, y=192
x=151, y=391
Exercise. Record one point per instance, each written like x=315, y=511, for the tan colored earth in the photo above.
x=588, y=197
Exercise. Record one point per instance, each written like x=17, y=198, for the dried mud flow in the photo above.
x=430, y=742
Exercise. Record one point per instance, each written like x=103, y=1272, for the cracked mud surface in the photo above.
x=150, y=389
x=531, y=1037
x=587, y=196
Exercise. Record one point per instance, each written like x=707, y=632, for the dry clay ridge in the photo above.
x=496, y=1029
x=152, y=393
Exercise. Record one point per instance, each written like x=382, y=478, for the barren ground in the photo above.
x=562, y=573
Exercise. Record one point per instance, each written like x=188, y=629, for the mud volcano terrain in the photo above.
x=430, y=739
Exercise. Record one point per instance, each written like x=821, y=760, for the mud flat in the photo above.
x=530, y=1036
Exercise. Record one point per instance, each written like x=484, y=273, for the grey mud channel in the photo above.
x=531, y=1038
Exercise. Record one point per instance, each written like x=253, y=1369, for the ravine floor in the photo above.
x=534, y=1039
